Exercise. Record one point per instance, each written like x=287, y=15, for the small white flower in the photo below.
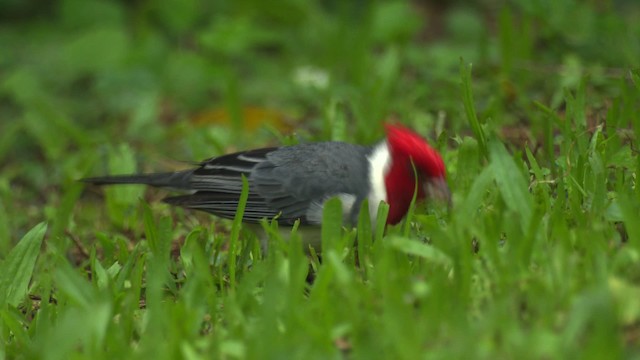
x=311, y=77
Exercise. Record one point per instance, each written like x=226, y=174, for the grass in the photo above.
x=534, y=106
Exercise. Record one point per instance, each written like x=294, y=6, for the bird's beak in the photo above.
x=437, y=188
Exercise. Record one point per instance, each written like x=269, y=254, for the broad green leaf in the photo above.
x=17, y=268
x=512, y=184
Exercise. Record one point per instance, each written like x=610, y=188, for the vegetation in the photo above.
x=533, y=104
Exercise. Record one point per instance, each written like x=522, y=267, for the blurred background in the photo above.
x=89, y=87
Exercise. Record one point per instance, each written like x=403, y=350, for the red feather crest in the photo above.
x=405, y=143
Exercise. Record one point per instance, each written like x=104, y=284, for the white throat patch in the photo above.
x=379, y=164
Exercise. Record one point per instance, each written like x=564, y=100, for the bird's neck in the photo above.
x=392, y=180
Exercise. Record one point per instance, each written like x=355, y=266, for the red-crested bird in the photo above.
x=292, y=183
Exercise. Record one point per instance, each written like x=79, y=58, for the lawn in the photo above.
x=534, y=105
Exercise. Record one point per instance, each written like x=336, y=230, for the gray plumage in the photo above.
x=289, y=182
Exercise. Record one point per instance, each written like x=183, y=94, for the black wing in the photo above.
x=288, y=182
x=297, y=180
x=218, y=185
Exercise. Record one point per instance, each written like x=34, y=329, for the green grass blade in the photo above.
x=470, y=109
x=120, y=199
x=381, y=221
x=331, y=230
x=512, y=184
x=380, y=229
x=235, y=231
x=18, y=266
x=365, y=236
x=65, y=210
x=416, y=248
x=408, y=218
x=468, y=208
x=5, y=229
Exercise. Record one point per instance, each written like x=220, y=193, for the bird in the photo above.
x=292, y=183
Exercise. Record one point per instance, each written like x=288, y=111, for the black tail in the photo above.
x=176, y=180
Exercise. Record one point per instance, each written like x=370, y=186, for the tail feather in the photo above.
x=176, y=180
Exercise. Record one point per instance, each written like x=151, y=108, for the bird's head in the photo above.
x=412, y=159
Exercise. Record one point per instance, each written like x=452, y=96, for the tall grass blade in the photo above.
x=469, y=107
x=235, y=232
